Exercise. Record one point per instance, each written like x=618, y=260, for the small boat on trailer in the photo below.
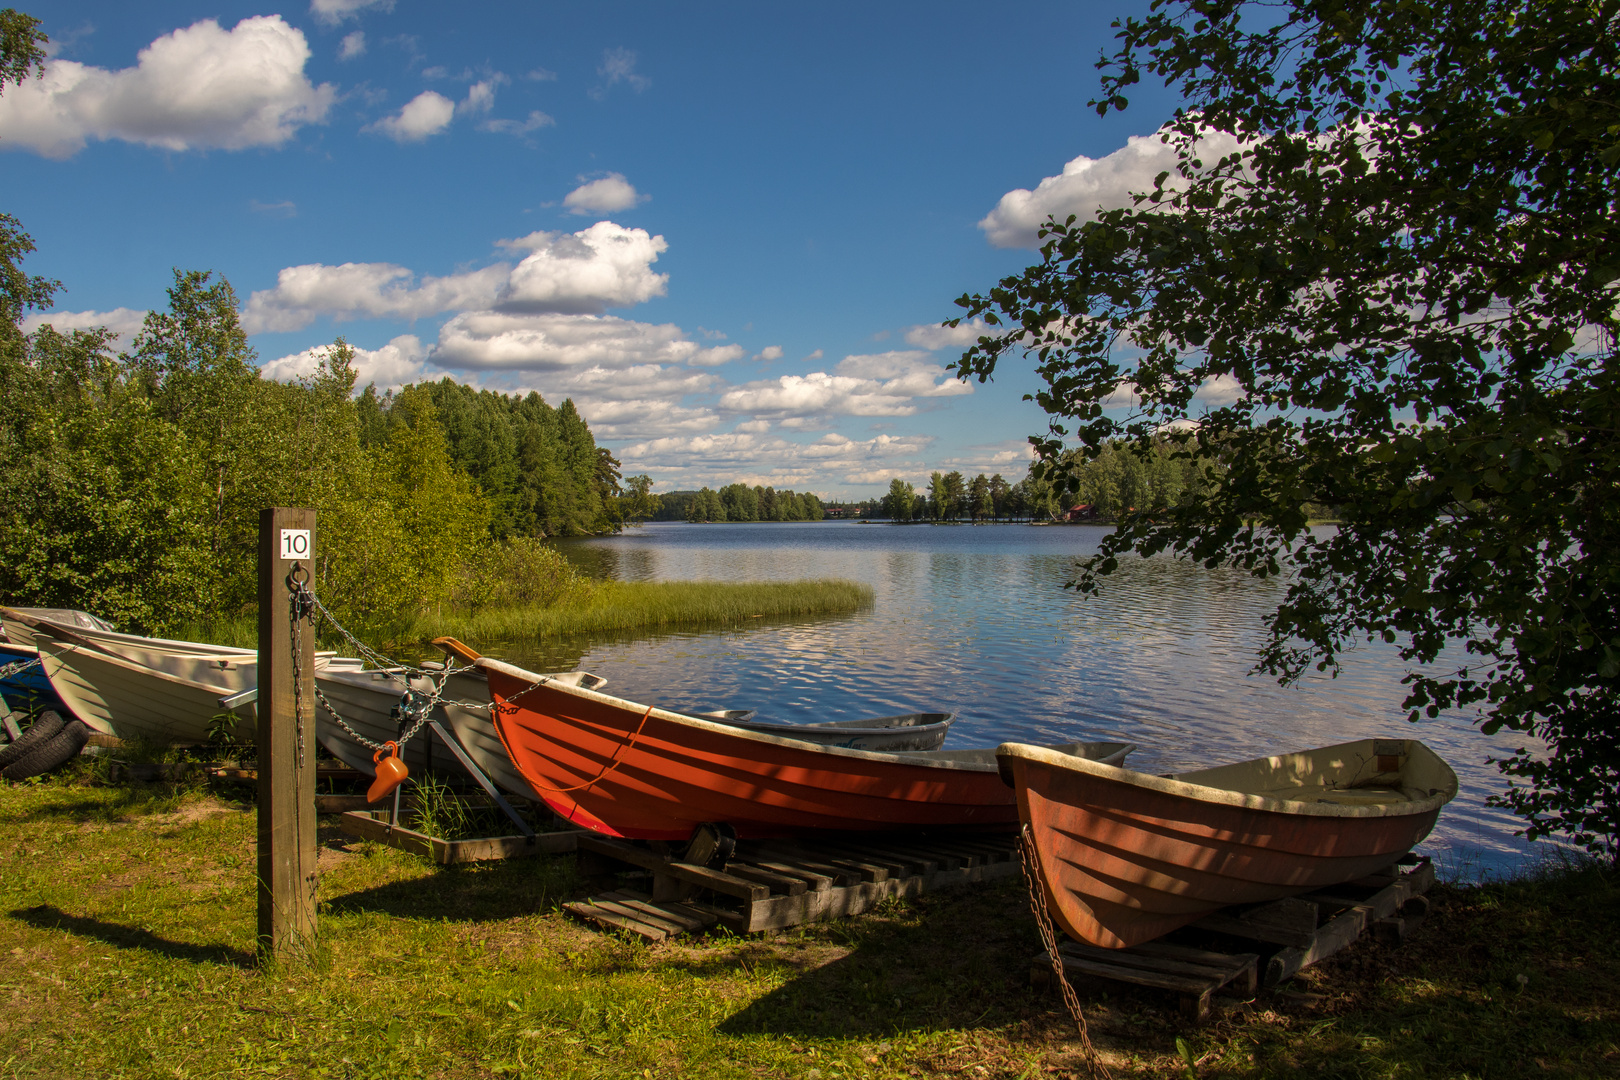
x=1127, y=857
x=638, y=771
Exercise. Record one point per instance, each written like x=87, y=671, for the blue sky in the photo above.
x=727, y=231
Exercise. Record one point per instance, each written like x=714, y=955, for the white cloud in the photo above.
x=1220, y=390
x=935, y=336
x=769, y=352
x=535, y=122
x=1089, y=184
x=586, y=272
x=480, y=96
x=196, y=88
x=541, y=75
x=401, y=361
x=364, y=290
x=286, y=208
x=333, y=12
x=619, y=65
x=608, y=195
x=353, y=45
x=425, y=115
x=882, y=384
x=124, y=322
x=552, y=342
x=753, y=457
x=720, y=354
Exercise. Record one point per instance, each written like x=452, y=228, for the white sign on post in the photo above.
x=295, y=543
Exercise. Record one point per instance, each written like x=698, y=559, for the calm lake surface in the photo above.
x=976, y=620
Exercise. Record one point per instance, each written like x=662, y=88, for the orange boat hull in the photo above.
x=1125, y=862
x=644, y=773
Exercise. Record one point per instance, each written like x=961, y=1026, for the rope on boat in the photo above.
x=1037, y=904
x=613, y=762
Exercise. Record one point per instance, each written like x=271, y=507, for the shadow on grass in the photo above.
x=477, y=892
x=112, y=805
x=955, y=960
x=49, y=917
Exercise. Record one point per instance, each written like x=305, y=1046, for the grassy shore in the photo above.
x=126, y=950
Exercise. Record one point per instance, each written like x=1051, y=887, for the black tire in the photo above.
x=54, y=752
x=46, y=726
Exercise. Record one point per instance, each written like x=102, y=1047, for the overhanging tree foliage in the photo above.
x=1390, y=244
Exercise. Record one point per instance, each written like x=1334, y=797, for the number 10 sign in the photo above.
x=295, y=543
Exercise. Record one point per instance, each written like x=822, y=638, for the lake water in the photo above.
x=976, y=620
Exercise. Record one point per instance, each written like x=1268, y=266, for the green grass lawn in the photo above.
x=126, y=950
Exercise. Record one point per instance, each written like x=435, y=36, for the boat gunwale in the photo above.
x=920, y=758
x=1203, y=793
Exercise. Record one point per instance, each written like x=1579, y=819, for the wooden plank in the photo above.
x=943, y=856
x=1337, y=933
x=816, y=881
x=586, y=910
x=776, y=882
x=838, y=875
x=640, y=913
x=366, y=827
x=373, y=825
x=869, y=872
x=1160, y=980
x=1221, y=972
x=896, y=868
x=1291, y=921
x=917, y=862
x=679, y=914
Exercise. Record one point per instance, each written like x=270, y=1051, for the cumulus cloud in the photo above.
x=551, y=342
x=353, y=45
x=882, y=384
x=769, y=352
x=754, y=457
x=401, y=361
x=480, y=96
x=364, y=290
x=720, y=354
x=333, y=12
x=1087, y=185
x=196, y=88
x=586, y=272
x=935, y=336
x=425, y=115
x=608, y=195
x=123, y=322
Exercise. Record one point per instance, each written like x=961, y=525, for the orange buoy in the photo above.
x=391, y=772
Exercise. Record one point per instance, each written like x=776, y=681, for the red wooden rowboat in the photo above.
x=1127, y=857
x=647, y=773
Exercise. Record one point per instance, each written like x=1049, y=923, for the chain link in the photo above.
x=416, y=706
x=17, y=667
x=1037, y=904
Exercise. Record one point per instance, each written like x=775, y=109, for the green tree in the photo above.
x=1390, y=243
x=639, y=501
x=898, y=502
x=979, y=503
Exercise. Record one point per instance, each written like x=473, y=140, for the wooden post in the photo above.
x=286, y=741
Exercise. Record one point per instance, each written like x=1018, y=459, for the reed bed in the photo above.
x=614, y=606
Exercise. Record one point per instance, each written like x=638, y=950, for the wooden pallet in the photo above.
x=1193, y=974
x=374, y=825
x=767, y=885
x=1286, y=935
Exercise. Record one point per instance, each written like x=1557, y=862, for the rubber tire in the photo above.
x=46, y=726
x=54, y=752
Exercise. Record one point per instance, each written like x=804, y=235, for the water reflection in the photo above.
x=977, y=621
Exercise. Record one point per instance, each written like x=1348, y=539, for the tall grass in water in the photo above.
x=523, y=589
x=631, y=605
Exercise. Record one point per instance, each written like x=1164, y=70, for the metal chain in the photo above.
x=17, y=667
x=1037, y=904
